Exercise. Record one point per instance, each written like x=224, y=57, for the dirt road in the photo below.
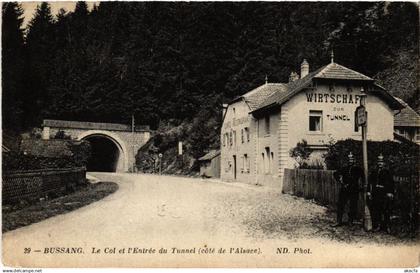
x=194, y=220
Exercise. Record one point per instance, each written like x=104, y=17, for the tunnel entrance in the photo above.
x=105, y=154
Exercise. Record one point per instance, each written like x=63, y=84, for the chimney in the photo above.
x=293, y=76
x=224, y=108
x=304, y=69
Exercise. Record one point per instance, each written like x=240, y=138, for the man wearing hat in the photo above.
x=380, y=194
x=350, y=178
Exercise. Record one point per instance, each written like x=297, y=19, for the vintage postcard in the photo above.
x=210, y=134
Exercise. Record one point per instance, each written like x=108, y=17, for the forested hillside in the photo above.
x=165, y=62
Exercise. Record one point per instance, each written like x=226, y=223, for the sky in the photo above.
x=29, y=8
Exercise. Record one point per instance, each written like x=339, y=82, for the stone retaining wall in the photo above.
x=34, y=184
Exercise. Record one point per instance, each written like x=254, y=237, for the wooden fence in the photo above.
x=322, y=187
x=30, y=185
x=319, y=185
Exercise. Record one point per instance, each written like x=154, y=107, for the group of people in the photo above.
x=379, y=192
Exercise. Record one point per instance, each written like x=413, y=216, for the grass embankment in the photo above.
x=21, y=215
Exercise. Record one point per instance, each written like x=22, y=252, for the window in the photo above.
x=271, y=162
x=247, y=134
x=246, y=163
x=242, y=135
x=230, y=139
x=411, y=134
x=267, y=125
x=228, y=165
x=268, y=161
x=315, y=121
x=262, y=163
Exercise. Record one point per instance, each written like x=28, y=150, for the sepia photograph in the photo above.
x=210, y=135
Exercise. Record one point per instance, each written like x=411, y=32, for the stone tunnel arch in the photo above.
x=113, y=144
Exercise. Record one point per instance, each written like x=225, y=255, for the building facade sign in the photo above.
x=332, y=98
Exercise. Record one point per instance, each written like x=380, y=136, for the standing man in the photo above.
x=380, y=194
x=349, y=178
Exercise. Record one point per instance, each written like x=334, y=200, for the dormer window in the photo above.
x=267, y=125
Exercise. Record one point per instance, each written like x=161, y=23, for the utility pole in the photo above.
x=364, y=139
x=132, y=141
x=361, y=115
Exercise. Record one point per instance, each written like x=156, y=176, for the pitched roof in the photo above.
x=255, y=97
x=403, y=139
x=339, y=72
x=407, y=117
x=331, y=71
x=290, y=89
x=209, y=156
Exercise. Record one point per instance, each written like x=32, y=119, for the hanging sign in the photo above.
x=361, y=115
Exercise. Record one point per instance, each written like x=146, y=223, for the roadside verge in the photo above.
x=17, y=216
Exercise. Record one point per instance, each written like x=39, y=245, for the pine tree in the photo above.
x=162, y=61
x=12, y=65
x=40, y=51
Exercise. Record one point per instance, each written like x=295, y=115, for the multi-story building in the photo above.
x=261, y=126
x=407, y=123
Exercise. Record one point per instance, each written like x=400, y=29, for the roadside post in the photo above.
x=180, y=156
x=361, y=120
x=160, y=163
x=133, y=125
x=179, y=147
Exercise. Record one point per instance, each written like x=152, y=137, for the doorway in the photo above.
x=234, y=167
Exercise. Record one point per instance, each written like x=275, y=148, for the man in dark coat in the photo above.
x=350, y=179
x=380, y=195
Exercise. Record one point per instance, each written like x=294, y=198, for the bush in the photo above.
x=401, y=158
x=35, y=133
x=301, y=153
x=81, y=153
x=14, y=161
x=61, y=135
x=316, y=164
